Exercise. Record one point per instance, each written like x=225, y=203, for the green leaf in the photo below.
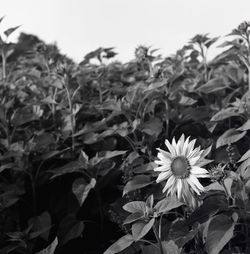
x=244, y=167
x=220, y=232
x=141, y=228
x=187, y=101
x=229, y=137
x=169, y=247
x=167, y=204
x=225, y=113
x=71, y=167
x=23, y=115
x=138, y=182
x=120, y=244
x=81, y=189
x=245, y=156
x=69, y=228
x=213, y=85
x=133, y=217
x=213, y=203
x=9, y=31
x=245, y=126
x=50, y=249
x=152, y=127
x=135, y=207
x=41, y=223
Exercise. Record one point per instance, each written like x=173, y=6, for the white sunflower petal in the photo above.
x=196, y=182
x=166, y=154
x=185, y=146
x=164, y=167
x=190, y=147
x=193, y=160
x=159, y=162
x=163, y=176
x=169, y=183
x=170, y=148
x=195, y=170
x=193, y=186
x=163, y=158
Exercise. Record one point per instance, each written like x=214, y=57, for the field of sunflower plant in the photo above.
x=146, y=157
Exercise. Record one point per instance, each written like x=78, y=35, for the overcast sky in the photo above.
x=80, y=26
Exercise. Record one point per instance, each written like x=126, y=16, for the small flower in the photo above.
x=180, y=168
x=141, y=53
x=217, y=173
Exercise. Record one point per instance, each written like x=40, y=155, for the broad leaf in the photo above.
x=138, y=182
x=50, y=249
x=135, y=207
x=120, y=244
x=152, y=127
x=71, y=167
x=133, y=217
x=69, y=228
x=212, y=204
x=245, y=126
x=81, y=189
x=245, y=156
x=167, y=204
x=229, y=137
x=141, y=228
x=220, y=232
x=225, y=113
x=213, y=85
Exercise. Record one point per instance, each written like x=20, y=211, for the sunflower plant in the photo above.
x=194, y=205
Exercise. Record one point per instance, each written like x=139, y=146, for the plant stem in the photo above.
x=72, y=119
x=158, y=239
x=4, y=65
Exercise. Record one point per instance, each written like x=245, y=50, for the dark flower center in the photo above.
x=180, y=167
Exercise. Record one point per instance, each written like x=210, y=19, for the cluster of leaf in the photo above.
x=78, y=141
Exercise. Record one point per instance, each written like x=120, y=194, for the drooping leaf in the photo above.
x=170, y=247
x=167, y=204
x=133, y=217
x=120, y=244
x=220, y=232
x=245, y=156
x=225, y=113
x=141, y=228
x=229, y=137
x=69, y=228
x=40, y=223
x=245, y=126
x=138, y=182
x=213, y=85
x=50, y=249
x=23, y=115
x=152, y=127
x=71, y=167
x=135, y=207
x=9, y=31
x=212, y=204
x=81, y=189
x=187, y=101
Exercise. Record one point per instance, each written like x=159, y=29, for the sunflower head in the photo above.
x=180, y=167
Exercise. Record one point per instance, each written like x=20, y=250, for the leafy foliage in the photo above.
x=78, y=141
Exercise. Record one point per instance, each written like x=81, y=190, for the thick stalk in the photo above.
x=158, y=239
x=72, y=119
x=3, y=65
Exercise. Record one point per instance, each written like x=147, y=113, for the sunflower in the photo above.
x=180, y=168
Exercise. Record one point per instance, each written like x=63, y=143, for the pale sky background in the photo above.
x=81, y=26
